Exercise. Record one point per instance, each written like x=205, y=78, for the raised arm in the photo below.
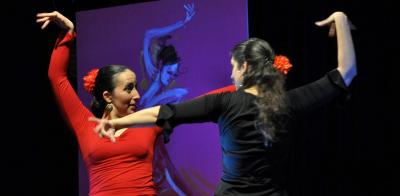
x=322, y=91
x=341, y=26
x=159, y=32
x=71, y=106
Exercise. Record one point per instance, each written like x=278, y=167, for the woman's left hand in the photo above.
x=56, y=17
x=104, y=127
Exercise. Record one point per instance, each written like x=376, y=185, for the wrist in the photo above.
x=70, y=31
x=113, y=124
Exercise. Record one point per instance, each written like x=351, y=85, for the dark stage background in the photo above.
x=345, y=149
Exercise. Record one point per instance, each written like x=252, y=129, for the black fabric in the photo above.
x=249, y=167
x=307, y=98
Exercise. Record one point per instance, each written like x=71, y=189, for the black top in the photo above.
x=249, y=166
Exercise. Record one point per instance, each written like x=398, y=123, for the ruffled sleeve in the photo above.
x=166, y=113
x=336, y=79
x=203, y=109
x=320, y=92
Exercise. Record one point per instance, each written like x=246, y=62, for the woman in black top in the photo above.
x=252, y=120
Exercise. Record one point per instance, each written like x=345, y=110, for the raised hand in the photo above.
x=104, y=128
x=190, y=12
x=62, y=21
x=331, y=22
x=340, y=26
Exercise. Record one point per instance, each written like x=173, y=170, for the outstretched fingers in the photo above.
x=55, y=17
x=42, y=19
x=103, y=128
x=47, y=14
x=190, y=12
x=328, y=21
x=44, y=25
x=325, y=22
x=45, y=20
x=110, y=134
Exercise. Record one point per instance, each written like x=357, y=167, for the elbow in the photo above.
x=149, y=33
x=51, y=75
x=352, y=73
x=348, y=74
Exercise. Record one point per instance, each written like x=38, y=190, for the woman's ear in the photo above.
x=107, y=96
x=244, y=67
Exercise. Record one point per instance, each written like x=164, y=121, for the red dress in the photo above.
x=121, y=168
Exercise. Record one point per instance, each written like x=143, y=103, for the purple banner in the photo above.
x=117, y=35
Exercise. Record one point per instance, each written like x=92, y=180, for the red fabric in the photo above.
x=121, y=168
x=230, y=88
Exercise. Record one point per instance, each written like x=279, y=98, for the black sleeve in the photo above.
x=316, y=94
x=204, y=109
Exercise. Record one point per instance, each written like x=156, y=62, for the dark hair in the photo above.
x=167, y=56
x=269, y=81
x=105, y=81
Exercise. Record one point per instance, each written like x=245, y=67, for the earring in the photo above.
x=108, y=108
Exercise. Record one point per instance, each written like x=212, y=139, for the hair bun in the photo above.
x=168, y=55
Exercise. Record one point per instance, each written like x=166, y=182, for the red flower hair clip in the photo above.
x=282, y=64
x=89, y=80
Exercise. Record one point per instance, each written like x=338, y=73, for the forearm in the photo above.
x=60, y=57
x=74, y=111
x=158, y=32
x=150, y=68
x=145, y=116
x=346, y=53
x=318, y=93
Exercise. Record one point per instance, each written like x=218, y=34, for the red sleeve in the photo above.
x=75, y=113
x=230, y=88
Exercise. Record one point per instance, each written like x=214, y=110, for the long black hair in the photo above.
x=269, y=81
x=105, y=81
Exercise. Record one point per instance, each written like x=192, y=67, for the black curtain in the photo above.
x=342, y=148
x=40, y=151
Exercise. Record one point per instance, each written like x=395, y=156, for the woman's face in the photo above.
x=236, y=75
x=169, y=73
x=125, y=95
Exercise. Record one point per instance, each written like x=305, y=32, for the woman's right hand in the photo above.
x=189, y=8
x=59, y=19
x=331, y=22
